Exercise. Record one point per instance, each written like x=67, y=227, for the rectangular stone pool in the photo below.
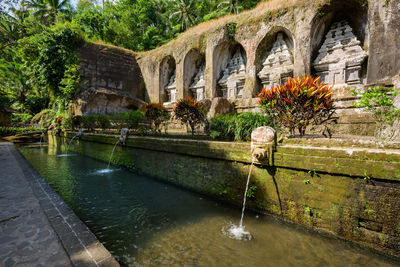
x=146, y=222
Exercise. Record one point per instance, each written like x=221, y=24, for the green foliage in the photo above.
x=21, y=118
x=44, y=118
x=35, y=103
x=71, y=122
x=89, y=122
x=102, y=121
x=231, y=28
x=379, y=101
x=251, y=192
x=190, y=111
x=132, y=118
x=70, y=83
x=237, y=127
x=9, y=131
x=51, y=60
x=298, y=103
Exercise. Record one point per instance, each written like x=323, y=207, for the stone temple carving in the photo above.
x=198, y=84
x=234, y=76
x=340, y=57
x=171, y=90
x=278, y=66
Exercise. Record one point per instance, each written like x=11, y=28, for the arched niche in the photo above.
x=193, y=75
x=229, y=61
x=274, y=61
x=168, y=80
x=339, y=43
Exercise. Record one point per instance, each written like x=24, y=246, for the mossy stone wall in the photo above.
x=353, y=194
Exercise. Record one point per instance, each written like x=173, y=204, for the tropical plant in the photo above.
x=190, y=111
x=298, y=103
x=184, y=13
x=132, y=118
x=89, y=122
x=21, y=119
x=380, y=101
x=230, y=6
x=102, y=121
x=44, y=118
x=9, y=131
x=237, y=126
x=156, y=114
x=48, y=10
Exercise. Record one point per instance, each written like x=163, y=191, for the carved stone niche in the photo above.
x=198, y=84
x=171, y=90
x=278, y=66
x=234, y=76
x=340, y=58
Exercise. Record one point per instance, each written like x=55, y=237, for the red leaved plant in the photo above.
x=157, y=114
x=299, y=103
x=190, y=111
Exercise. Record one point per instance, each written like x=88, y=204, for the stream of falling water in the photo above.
x=70, y=142
x=238, y=232
x=112, y=153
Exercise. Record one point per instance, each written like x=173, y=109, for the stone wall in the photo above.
x=111, y=80
x=350, y=43
x=353, y=193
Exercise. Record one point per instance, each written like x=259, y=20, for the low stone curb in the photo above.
x=78, y=241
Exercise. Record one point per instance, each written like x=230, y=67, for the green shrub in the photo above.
x=132, y=118
x=21, y=118
x=238, y=126
x=10, y=131
x=102, y=121
x=298, y=103
x=71, y=122
x=89, y=122
x=117, y=120
x=379, y=101
x=36, y=103
x=44, y=118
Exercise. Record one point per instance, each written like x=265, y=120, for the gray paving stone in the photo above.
x=46, y=231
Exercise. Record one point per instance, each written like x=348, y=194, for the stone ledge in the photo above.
x=78, y=241
x=358, y=162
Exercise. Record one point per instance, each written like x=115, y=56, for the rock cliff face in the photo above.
x=349, y=43
x=111, y=81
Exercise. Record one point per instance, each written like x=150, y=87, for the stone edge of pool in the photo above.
x=81, y=245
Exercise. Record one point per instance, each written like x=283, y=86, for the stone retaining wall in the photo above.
x=353, y=193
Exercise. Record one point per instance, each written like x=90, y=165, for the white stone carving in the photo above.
x=198, y=84
x=234, y=76
x=278, y=66
x=171, y=90
x=340, y=57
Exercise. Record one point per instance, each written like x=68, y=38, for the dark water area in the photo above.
x=145, y=222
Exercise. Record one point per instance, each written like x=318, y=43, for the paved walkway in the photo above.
x=36, y=226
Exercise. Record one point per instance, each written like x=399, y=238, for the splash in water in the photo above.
x=238, y=232
x=104, y=171
x=66, y=155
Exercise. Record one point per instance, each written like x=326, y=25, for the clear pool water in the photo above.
x=145, y=222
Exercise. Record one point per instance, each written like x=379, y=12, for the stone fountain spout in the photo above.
x=263, y=145
x=80, y=132
x=123, y=136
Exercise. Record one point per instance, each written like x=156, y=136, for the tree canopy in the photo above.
x=39, y=40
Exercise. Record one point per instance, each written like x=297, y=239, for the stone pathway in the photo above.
x=26, y=236
x=36, y=227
